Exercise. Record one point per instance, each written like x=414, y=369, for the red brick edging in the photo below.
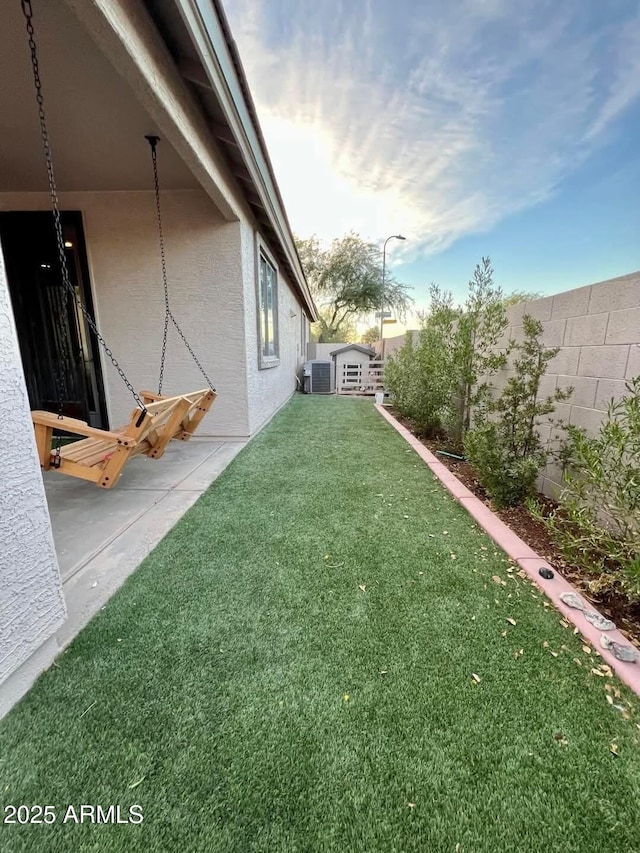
x=523, y=555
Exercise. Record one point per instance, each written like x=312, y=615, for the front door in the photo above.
x=59, y=351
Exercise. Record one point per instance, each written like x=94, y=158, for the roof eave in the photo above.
x=211, y=36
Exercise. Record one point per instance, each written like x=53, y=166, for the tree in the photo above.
x=323, y=333
x=481, y=323
x=371, y=336
x=420, y=375
x=520, y=296
x=346, y=282
x=504, y=445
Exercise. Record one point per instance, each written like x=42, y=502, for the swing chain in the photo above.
x=66, y=282
x=168, y=314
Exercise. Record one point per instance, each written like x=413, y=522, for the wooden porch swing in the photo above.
x=101, y=455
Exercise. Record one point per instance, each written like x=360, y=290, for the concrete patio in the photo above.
x=102, y=536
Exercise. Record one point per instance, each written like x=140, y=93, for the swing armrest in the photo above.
x=49, y=419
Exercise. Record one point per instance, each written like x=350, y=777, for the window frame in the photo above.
x=267, y=361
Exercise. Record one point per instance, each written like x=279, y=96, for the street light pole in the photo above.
x=384, y=267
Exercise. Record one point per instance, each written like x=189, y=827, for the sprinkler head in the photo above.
x=545, y=573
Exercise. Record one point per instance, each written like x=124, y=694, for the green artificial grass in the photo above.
x=291, y=670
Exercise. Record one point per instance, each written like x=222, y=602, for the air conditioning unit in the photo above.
x=318, y=377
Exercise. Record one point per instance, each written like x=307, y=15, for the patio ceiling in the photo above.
x=96, y=124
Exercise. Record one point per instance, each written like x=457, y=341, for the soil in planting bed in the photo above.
x=609, y=601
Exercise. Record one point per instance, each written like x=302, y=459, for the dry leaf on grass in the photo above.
x=586, y=650
x=510, y=620
x=362, y=587
x=614, y=749
x=475, y=677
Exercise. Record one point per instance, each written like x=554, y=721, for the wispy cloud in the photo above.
x=437, y=119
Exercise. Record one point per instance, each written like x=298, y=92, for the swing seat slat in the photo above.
x=101, y=456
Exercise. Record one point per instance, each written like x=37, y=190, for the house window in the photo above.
x=268, y=311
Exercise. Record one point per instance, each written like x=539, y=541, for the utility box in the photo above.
x=318, y=376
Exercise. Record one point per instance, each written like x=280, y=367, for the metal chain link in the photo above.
x=66, y=282
x=168, y=314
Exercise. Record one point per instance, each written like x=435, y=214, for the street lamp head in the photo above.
x=399, y=237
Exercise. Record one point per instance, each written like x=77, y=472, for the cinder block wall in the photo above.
x=597, y=328
x=598, y=331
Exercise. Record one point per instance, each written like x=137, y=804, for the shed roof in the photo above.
x=365, y=350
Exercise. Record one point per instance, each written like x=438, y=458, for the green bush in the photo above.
x=438, y=379
x=476, y=358
x=399, y=376
x=420, y=375
x=504, y=444
x=507, y=479
x=597, y=523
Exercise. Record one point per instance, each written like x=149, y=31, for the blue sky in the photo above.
x=506, y=128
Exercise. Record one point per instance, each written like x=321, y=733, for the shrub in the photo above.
x=504, y=444
x=479, y=327
x=597, y=523
x=507, y=480
x=399, y=376
x=420, y=375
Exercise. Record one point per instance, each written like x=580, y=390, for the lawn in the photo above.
x=292, y=670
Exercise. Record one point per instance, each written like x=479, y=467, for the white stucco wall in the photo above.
x=204, y=263
x=270, y=388
x=31, y=601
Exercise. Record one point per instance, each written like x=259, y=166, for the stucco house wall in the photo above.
x=31, y=601
x=115, y=71
x=204, y=267
x=269, y=388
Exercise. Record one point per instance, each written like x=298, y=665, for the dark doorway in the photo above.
x=55, y=341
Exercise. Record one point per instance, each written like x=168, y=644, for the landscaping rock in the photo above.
x=621, y=651
x=546, y=573
x=572, y=599
x=598, y=621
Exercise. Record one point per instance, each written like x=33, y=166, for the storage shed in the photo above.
x=356, y=370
